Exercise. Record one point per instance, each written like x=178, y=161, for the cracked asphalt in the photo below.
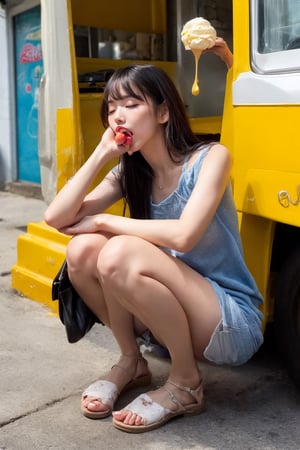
x=255, y=406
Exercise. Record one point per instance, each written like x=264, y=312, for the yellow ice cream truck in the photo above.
x=254, y=109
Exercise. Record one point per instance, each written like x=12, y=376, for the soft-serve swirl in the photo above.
x=198, y=35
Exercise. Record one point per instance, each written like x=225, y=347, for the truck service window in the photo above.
x=275, y=27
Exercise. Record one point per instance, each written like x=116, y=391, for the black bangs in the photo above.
x=122, y=84
x=123, y=88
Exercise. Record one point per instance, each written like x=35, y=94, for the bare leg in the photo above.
x=82, y=256
x=177, y=304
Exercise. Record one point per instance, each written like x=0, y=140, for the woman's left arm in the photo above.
x=179, y=234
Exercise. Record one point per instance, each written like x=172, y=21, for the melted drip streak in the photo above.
x=195, y=87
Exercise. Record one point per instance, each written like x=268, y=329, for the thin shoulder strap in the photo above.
x=202, y=148
x=185, y=161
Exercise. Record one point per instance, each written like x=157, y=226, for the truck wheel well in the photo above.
x=286, y=238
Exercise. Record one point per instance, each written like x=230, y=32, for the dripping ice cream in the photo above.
x=198, y=35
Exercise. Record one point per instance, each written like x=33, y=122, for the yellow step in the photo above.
x=40, y=253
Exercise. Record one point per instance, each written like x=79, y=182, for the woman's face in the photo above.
x=138, y=117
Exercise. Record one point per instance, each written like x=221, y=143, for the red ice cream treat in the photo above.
x=120, y=138
x=123, y=137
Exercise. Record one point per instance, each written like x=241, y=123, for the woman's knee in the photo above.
x=83, y=250
x=117, y=257
x=77, y=248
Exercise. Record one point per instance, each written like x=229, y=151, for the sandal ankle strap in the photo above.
x=191, y=391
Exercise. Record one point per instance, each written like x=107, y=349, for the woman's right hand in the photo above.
x=108, y=145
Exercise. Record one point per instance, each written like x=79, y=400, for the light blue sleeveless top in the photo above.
x=218, y=256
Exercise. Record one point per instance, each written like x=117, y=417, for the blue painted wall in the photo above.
x=29, y=70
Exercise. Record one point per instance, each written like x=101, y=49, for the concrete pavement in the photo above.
x=42, y=376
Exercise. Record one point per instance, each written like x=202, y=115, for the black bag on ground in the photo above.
x=77, y=318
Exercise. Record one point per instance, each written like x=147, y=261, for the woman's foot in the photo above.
x=99, y=398
x=150, y=411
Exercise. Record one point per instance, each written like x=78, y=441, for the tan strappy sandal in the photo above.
x=154, y=415
x=107, y=392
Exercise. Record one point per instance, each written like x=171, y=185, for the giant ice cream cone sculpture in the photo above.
x=198, y=35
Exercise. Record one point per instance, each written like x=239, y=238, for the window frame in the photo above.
x=285, y=61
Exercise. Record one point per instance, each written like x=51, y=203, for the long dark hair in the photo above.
x=148, y=82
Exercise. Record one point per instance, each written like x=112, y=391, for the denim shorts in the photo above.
x=237, y=336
